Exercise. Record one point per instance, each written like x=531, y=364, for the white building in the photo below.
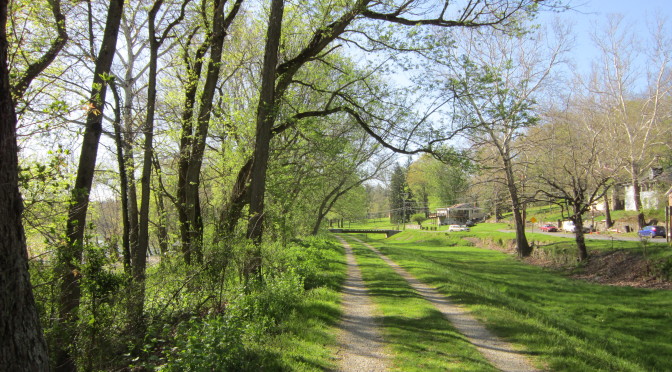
x=458, y=214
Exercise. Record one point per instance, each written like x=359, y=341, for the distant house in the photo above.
x=649, y=189
x=458, y=214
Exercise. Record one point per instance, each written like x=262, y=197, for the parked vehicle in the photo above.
x=452, y=228
x=568, y=226
x=548, y=228
x=651, y=232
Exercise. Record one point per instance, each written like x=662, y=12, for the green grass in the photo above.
x=308, y=339
x=569, y=324
x=286, y=324
x=553, y=213
x=416, y=332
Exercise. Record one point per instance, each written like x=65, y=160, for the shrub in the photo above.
x=237, y=339
x=418, y=218
x=275, y=301
x=663, y=268
x=216, y=343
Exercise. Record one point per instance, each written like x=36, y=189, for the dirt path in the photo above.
x=499, y=353
x=360, y=340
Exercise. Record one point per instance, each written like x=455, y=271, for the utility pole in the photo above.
x=403, y=213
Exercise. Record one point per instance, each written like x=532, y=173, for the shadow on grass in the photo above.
x=575, y=325
x=418, y=333
x=446, y=348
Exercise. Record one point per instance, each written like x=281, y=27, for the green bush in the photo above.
x=275, y=301
x=419, y=218
x=236, y=340
x=663, y=268
x=309, y=258
x=218, y=343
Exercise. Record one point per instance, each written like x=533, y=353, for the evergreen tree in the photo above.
x=400, y=196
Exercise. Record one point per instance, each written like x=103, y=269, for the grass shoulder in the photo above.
x=286, y=323
x=570, y=324
x=416, y=333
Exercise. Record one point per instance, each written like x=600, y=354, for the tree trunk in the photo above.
x=136, y=300
x=636, y=191
x=132, y=196
x=123, y=182
x=186, y=138
x=616, y=203
x=162, y=232
x=522, y=246
x=22, y=345
x=607, y=212
x=193, y=146
x=580, y=238
x=70, y=255
x=266, y=114
x=232, y=212
x=128, y=138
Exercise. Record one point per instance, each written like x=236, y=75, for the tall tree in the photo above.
x=419, y=180
x=400, y=195
x=193, y=137
x=70, y=255
x=135, y=44
x=320, y=45
x=267, y=112
x=496, y=78
x=22, y=345
x=358, y=161
x=635, y=99
x=572, y=177
x=441, y=183
x=138, y=256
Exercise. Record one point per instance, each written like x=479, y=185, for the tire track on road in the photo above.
x=360, y=339
x=500, y=353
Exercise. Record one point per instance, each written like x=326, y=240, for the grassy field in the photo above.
x=553, y=213
x=569, y=325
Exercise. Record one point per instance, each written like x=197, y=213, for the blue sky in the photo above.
x=589, y=15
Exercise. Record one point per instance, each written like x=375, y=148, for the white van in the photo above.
x=568, y=226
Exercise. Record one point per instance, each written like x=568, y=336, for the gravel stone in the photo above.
x=499, y=353
x=361, y=344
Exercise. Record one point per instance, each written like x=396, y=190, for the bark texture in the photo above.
x=22, y=345
x=70, y=255
x=266, y=114
x=192, y=142
x=522, y=245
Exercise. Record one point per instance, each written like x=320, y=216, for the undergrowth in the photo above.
x=204, y=317
x=260, y=326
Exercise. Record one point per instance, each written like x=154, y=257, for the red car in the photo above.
x=548, y=228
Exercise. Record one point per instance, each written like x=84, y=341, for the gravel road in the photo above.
x=499, y=353
x=361, y=344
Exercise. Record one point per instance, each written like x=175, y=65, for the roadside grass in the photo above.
x=374, y=223
x=417, y=333
x=307, y=341
x=655, y=248
x=570, y=325
x=553, y=213
x=286, y=324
